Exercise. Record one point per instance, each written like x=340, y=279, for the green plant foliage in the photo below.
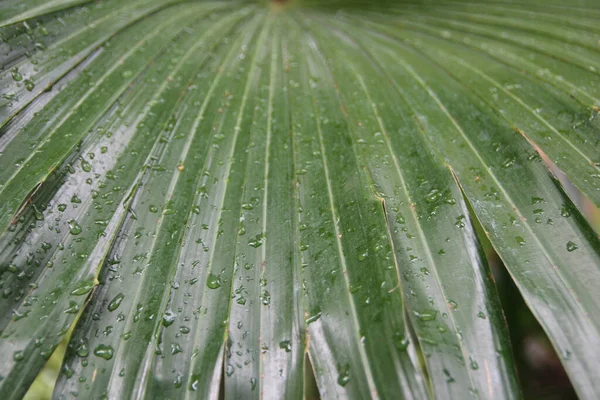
x=210, y=191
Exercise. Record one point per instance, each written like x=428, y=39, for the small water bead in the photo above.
x=344, y=376
x=474, y=365
x=73, y=308
x=401, y=342
x=229, y=370
x=428, y=315
x=104, y=351
x=313, y=318
x=453, y=305
x=362, y=255
x=257, y=241
x=184, y=329
x=460, y=221
x=168, y=318
x=86, y=166
x=18, y=355
x=82, y=289
x=116, y=302
x=37, y=214
x=74, y=227
x=400, y=219
x=213, y=281
x=286, y=345
x=82, y=350
x=29, y=85
x=571, y=246
x=194, y=381
x=16, y=75
x=176, y=348
x=265, y=298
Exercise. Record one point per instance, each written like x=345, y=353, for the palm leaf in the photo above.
x=222, y=196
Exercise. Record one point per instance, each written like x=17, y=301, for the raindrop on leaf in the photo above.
x=74, y=227
x=116, y=302
x=104, y=351
x=213, y=281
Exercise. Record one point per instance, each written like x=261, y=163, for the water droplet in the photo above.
x=474, y=364
x=116, y=302
x=257, y=241
x=433, y=196
x=344, y=376
x=86, y=166
x=74, y=227
x=82, y=350
x=453, y=305
x=265, y=298
x=509, y=162
x=428, y=315
x=103, y=351
x=460, y=221
x=194, y=380
x=313, y=318
x=286, y=345
x=176, y=348
x=520, y=241
x=61, y=207
x=73, y=308
x=401, y=342
x=37, y=214
x=571, y=246
x=83, y=288
x=29, y=85
x=362, y=255
x=449, y=377
x=355, y=288
x=153, y=209
x=18, y=355
x=564, y=211
x=400, y=219
x=16, y=75
x=213, y=281
x=168, y=318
